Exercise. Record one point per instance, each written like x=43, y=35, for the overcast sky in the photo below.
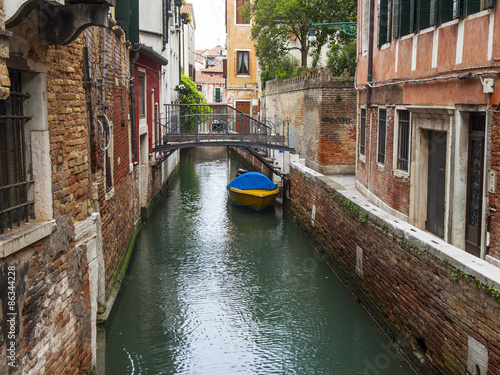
x=210, y=23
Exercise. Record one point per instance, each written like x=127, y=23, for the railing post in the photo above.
x=196, y=128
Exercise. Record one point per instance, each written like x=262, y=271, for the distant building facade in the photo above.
x=212, y=84
x=242, y=66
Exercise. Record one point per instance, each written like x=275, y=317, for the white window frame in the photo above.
x=381, y=166
x=398, y=172
x=362, y=157
x=249, y=62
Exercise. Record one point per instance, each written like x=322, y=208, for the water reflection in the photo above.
x=218, y=289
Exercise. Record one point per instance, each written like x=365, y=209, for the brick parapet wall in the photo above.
x=322, y=114
x=407, y=276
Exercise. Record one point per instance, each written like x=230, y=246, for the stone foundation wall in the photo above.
x=438, y=304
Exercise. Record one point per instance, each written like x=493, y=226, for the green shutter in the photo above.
x=423, y=14
x=405, y=14
x=413, y=15
x=457, y=8
x=382, y=22
x=445, y=11
x=490, y=3
x=396, y=28
x=472, y=6
x=127, y=16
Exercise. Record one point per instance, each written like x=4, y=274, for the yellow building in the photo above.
x=241, y=65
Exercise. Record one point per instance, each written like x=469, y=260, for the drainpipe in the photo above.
x=370, y=52
x=103, y=72
x=132, y=103
x=485, y=226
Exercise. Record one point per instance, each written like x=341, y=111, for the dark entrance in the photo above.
x=475, y=184
x=243, y=122
x=436, y=183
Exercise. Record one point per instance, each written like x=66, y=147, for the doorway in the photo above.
x=242, y=121
x=436, y=183
x=475, y=171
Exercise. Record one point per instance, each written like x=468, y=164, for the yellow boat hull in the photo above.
x=256, y=199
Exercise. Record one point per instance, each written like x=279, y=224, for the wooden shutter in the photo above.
x=396, y=27
x=445, y=11
x=424, y=14
x=405, y=15
x=382, y=22
x=490, y=3
x=472, y=6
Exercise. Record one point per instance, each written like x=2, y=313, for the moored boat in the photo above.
x=254, y=190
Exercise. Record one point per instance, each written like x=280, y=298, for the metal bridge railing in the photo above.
x=218, y=123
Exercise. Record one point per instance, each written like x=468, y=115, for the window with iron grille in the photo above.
x=382, y=127
x=403, y=140
x=362, y=132
x=16, y=206
x=141, y=88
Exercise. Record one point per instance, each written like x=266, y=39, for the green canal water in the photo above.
x=218, y=289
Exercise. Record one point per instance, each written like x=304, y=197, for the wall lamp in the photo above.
x=350, y=28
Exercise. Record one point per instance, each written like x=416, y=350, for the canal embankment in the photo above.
x=436, y=302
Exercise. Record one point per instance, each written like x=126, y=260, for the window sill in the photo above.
x=380, y=167
x=401, y=174
x=362, y=158
x=24, y=236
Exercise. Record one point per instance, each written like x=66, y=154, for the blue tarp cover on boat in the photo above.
x=252, y=181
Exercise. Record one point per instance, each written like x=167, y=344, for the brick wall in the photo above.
x=111, y=198
x=322, y=111
x=55, y=330
x=494, y=198
x=440, y=317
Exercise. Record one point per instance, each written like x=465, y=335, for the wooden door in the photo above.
x=436, y=183
x=243, y=122
x=475, y=185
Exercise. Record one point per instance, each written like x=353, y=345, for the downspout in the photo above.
x=370, y=52
x=132, y=103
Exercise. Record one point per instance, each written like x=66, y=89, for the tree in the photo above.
x=274, y=21
x=342, y=57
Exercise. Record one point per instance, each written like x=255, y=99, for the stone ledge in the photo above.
x=484, y=271
x=28, y=234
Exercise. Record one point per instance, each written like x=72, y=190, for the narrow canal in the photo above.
x=218, y=289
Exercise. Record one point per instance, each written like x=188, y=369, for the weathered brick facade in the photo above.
x=322, y=112
x=381, y=181
x=59, y=277
x=430, y=298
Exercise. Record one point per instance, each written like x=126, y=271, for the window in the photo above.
x=384, y=21
x=382, y=126
x=239, y=18
x=403, y=140
x=243, y=67
x=414, y=15
x=16, y=206
x=218, y=94
x=362, y=132
x=141, y=88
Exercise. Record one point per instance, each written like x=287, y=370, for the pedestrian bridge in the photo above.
x=194, y=125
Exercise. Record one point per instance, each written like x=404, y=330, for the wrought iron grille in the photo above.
x=16, y=206
x=382, y=125
x=362, y=132
x=403, y=140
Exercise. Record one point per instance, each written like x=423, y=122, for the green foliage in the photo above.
x=276, y=21
x=287, y=67
x=458, y=274
x=342, y=56
x=191, y=95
